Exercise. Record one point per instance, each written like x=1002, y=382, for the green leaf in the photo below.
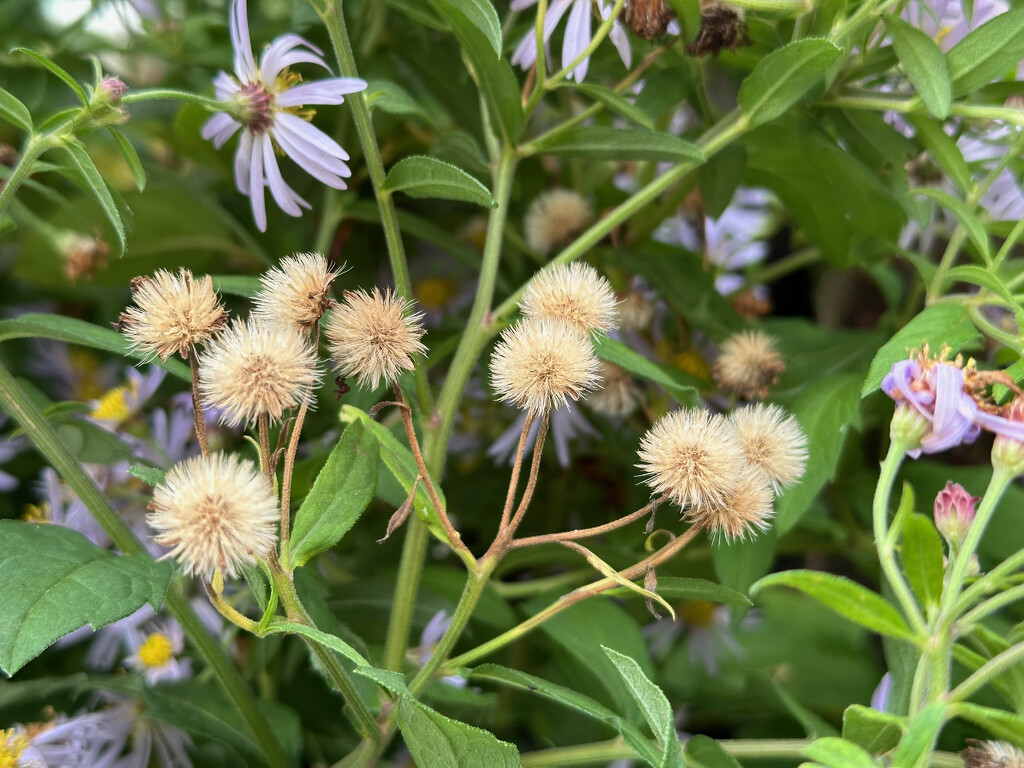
x=237, y=285
x=56, y=70
x=847, y=598
x=572, y=699
x=90, y=442
x=480, y=13
x=14, y=112
x=653, y=704
x=920, y=735
x=610, y=573
x=1001, y=724
x=392, y=98
x=720, y=176
x=975, y=231
x=943, y=150
x=875, y=731
x=979, y=276
x=935, y=325
x=740, y=563
x=837, y=753
x=826, y=411
x=131, y=157
x=988, y=52
x=151, y=476
x=74, y=331
x=705, y=752
x=340, y=494
x=784, y=76
x=922, y=559
x=323, y=638
x=56, y=581
x=400, y=464
x=612, y=101
x=924, y=63
x=423, y=176
x=97, y=186
x=677, y=383
x=677, y=587
x=598, y=142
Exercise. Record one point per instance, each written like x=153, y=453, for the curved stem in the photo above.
x=37, y=145
x=989, y=582
x=14, y=401
x=992, y=605
x=170, y=94
x=531, y=484
x=286, y=479
x=197, y=403
x=584, y=533
x=513, y=482
x=263, y=427
x=993, y=668
x=228, y=611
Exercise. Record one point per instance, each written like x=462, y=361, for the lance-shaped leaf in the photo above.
x=429, y=177
x=598, y=142
x=784, y=76
x=14, y=112
x=618, y=578
x=56, y=581
x=922, y=60
x=56, y=69
x=94, y=183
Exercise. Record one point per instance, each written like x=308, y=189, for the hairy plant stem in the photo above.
x=170, y=94
x=36, y=146
x=330, y=12
x=266, y=459
x=364, y=721
x=505, y=535
x=197, y=403
x=14, y=401
x=517, y=465
x=584, y=533
x=914, y=105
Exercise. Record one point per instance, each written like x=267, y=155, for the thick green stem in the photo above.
x=14, y=401
x=916, y=106
x=363, y=718
x=37, y=145
x=995, y=667
x=169, y=94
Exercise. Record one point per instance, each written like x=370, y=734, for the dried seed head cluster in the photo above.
x=748, y=364
x=215, y=512
x=648, y=18
x=554, y=218
x=992, y=754
x=635, y=312
x=721, y=27
x=772, y=441
x=373, y=336
x=540, y=364
x=575, y=293
x=253, y=368
x=617, y=395
x=84, y=256
x=172, y=313
x=297, y=291
x=724, y=472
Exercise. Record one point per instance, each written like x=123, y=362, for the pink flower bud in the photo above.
x=113, y=88
x=954, y=512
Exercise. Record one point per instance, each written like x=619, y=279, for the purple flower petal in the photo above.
x=1000, y=425
x=285, y=51
x=330, y=91
x=225, y=86
x=259, y=205
x=245, y=65
x=620, y=39
x=220, y=128
x=577, y=38
x=243, y=161
x=309, y=159
x=298, y=127
x=284, y=196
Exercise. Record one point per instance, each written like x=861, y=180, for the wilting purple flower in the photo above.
x=577, y=34
x=954, y=512
x=880, y=698
x=268, y=100
x=936, y=392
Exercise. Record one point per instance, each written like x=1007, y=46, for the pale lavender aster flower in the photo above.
x=268, y=100
x=577, y=34
x=65, y=742
x=566, y=424
x=155, y=652
x=945, y=21
x=937, y=393
x=144, y=738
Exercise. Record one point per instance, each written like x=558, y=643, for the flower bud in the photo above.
x=908, y=427
x=111, y=89
x=1008, y=455
x=954, y=512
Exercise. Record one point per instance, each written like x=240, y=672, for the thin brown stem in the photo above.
x=263, y=427
x=513, y=483
x=584, y=533
x=410, y=431
x=531, y=483
x=197, y=403
x=289, y=468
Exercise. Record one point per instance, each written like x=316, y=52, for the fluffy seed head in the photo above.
x=635, y=312
x=992, y=754
x=254, y=368
x=172, y=313
x=748, y=365
x=554, y=218
x=617, y=396
x=747, y=509
x=573, y=292
x=296, y=291
x=542, y=364
x=214, y=512
x=373, y=336
x=772, y=441
x=692, y=456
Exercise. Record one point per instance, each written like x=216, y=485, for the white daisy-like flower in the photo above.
x=269, y=102
x=577, y=34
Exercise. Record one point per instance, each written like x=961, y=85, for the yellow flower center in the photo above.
x=698, y=613
x=12, y=744
x=157, y=651
x=88, y=369
x=37, y=513
x=113, y=406
x=691, y=362
x=434, y=292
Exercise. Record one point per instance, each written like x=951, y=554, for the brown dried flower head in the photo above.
x=539, y=364
x=213, y=512
x=172, y=313
x=747, y=509
x=617, y=395
x=84, y=256
x=573, y=292
x=554, y=218
x=296, y=291
x=992, y=754
x=373, y=336
x=648, y=18
x=721, y=27
x=692, y=456
x=772, y=441
x=748, y=364
x=256, y=368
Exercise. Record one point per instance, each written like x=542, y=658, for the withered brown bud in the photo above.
x=720, y=27
x=649, y=19
x=84, y=256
